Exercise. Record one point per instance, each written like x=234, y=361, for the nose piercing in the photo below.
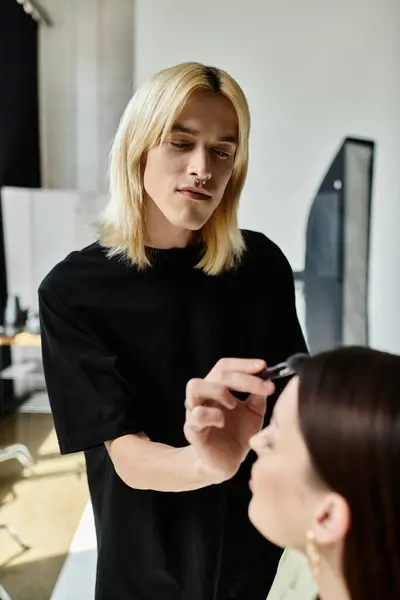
x=197, y=180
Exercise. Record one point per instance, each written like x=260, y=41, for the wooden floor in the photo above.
x=43, y=503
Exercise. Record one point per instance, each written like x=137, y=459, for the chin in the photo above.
x=192, y=216
x=257, y=519
x=254, y=516
x=189, y=224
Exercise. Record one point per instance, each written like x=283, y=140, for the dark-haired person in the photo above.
x=327, y=480
x=171, y=288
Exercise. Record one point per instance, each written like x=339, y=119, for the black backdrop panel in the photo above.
x=19, y=129
x=335, y=276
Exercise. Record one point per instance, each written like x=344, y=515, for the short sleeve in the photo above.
x=91, y=402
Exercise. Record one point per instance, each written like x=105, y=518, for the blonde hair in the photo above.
x=147, y=120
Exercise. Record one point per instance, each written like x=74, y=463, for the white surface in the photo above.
x=314, y=72
x=78, y=575
x=40, y=228
x=29, y=368
x=85, y=81
x=38, y=403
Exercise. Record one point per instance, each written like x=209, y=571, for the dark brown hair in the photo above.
x=349, y=411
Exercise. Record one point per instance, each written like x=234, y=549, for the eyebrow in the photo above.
x=178, y=128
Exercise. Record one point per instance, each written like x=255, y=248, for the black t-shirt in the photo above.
x=119, y=346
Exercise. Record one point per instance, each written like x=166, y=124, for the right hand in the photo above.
x=219, y=426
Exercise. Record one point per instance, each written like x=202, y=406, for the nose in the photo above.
x=199, y=164
x=254, y=441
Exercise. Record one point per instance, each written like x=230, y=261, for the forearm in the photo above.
x=146, y=465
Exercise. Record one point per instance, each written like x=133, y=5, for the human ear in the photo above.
x=332, y=520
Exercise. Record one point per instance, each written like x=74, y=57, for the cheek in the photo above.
x=276, y=509
x=224, y=175
x=161, y=170
x=221, y=179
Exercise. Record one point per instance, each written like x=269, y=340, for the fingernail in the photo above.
x=258, y=364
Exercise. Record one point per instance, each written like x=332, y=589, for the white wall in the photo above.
x=314, y=72
x=41, y=227
x=85, y=80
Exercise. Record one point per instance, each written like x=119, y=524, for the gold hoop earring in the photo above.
x=313, y=553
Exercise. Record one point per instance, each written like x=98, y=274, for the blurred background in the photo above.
x=323, y=83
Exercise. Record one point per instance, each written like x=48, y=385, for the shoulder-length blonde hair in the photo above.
x=146, y=122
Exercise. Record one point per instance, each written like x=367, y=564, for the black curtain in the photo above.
x=19, y=129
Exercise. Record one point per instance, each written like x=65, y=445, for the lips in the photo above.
x=195, y=194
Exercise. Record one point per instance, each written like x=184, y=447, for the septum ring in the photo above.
x=197, y=180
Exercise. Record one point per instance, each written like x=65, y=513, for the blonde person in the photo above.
x=133, y=325
x=326, y=483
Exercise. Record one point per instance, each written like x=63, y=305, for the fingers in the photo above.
x=241, y=365
x=243, y=382
x=200, y=391
x=257, y=404
x=217, y=386
x=207, y=399
x=239, y=374
x=204, y=417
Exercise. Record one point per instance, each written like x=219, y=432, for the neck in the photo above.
x=160, y=233
x=331, y=583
